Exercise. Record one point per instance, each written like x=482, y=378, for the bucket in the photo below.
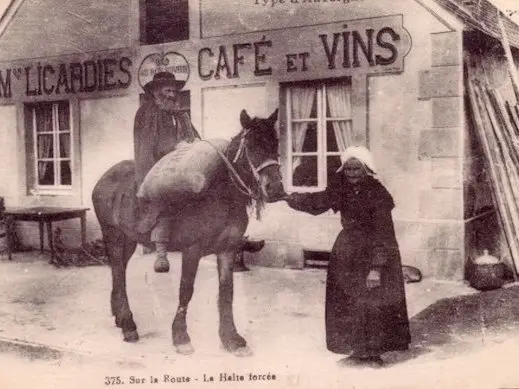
x=489, y=272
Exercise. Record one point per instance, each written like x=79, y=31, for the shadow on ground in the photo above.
x=29, y=350
x=461, y=324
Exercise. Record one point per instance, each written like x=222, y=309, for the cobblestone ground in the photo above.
x=56, y=331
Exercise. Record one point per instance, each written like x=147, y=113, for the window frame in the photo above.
x=321, y=121
x=33, y=186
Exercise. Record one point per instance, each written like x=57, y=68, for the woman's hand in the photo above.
x=373, y=279
x=290, y=196
x=293, y=199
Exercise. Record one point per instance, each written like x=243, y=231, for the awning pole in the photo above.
x=509, y=59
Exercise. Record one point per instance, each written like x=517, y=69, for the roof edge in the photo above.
x=8, y=15
x=448, y=19
x=483, y=16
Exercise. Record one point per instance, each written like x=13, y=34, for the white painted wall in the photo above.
x=222, y=107
x=54, y=27
x=395, y=125
x=256, y=15
x=9, y=172
x=106, y=138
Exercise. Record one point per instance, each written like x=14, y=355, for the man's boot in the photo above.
x=161, y=264
x=252, y=246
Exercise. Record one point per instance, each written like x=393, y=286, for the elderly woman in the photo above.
x=366, y=313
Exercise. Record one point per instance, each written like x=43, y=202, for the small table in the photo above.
x=45, y=215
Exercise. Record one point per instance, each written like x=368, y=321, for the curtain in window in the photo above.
x=339, y=102
x=64, y=145
x=302, y=102
x=63, y=116
x=44, y=124
x=65, y=172
x=43, y=118
x=44, y=151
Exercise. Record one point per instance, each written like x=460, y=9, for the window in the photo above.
x=50, y=147
x=319, y=123
x=164, y=21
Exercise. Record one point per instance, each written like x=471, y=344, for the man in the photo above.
x=159, y=127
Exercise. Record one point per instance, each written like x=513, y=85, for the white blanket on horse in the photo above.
x=187, y=170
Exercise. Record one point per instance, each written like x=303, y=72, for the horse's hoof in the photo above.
x=184, y=349
x=161, y=265
x=240, y=268
x=240, y=352
x=131, y=336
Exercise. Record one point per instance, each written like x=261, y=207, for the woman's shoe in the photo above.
x=354, y=361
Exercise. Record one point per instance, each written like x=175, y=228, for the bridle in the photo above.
x=242, y=149
x=234, y=175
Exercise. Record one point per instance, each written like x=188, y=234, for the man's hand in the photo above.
x=373, y=279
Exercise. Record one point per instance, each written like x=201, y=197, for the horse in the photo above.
x=211, y=224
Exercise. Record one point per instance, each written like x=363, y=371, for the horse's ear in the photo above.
x=274, y=116
x=245, y=119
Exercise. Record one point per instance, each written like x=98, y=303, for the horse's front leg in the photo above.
x=181, y=339
x=231, y=340
x=119, y=250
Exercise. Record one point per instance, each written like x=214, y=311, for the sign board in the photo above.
x=376, y=45
x=93, y=74
x=369, y=46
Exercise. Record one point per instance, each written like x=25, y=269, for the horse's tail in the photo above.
x=109, y=190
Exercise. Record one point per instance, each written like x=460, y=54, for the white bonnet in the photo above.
x=358, y=152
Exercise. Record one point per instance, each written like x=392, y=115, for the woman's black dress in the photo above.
x=366, y=321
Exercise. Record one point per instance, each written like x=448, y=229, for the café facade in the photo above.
x=385, y=74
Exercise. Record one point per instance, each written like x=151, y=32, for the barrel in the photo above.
x=187, y=170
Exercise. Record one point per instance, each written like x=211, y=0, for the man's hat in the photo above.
x=162, y=79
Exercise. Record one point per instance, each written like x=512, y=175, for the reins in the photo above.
x=234, y=175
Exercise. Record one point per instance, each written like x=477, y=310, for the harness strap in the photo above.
x=241, y=147
x=244, y=188
x=255, y=172
x=268, y=162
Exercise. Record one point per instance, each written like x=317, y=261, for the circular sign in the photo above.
x=171, y=62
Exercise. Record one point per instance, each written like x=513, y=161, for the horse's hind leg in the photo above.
x=119, y=250
x=181, y=339
x=231, y=340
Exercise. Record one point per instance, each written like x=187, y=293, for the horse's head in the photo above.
x=261, y=150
